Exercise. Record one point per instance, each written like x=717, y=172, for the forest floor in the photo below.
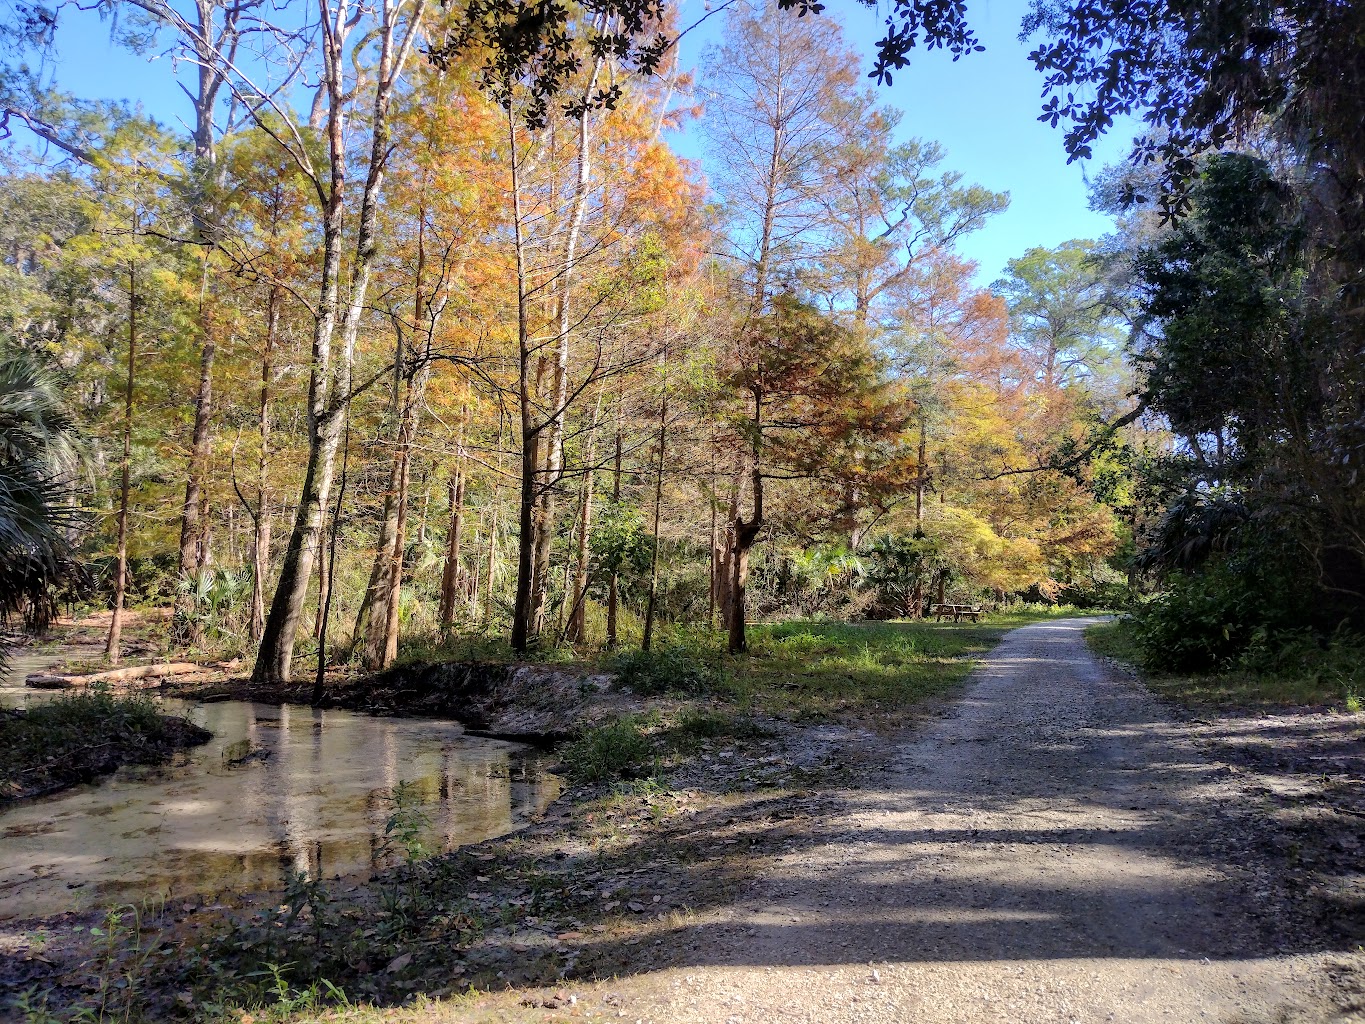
x=1050, y=844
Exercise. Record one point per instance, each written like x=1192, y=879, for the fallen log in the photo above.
x=49, y=681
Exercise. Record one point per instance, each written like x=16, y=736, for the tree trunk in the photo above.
x=330, y=564
x=329, y=392
x=523, y=611
x=745, y=534
x=324, y=582
x=260, y=551
x=112, y=646
x=577, y=588
x=715, y=559
x=658, y=505
x=554, y=452
x=393, y=600
x=921, y=475
x=614, y=584
x=450, y=575
x=184, y=625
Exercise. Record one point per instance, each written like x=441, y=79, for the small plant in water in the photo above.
x=406, y=823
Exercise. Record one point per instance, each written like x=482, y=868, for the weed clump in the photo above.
x=620, y=749
x=80, y=736
x=679, y=668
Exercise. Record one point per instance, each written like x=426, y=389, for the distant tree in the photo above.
x=1062, y=315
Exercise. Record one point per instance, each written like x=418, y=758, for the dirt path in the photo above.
x=1054, y=849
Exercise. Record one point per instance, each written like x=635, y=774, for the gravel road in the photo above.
x=1052, y=848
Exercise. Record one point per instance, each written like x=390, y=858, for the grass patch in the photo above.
x=77, y=737
x=620, y=749
x=819, y=670
x=813, y=671
x=1318, y=677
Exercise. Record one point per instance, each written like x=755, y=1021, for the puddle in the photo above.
x=314, y=799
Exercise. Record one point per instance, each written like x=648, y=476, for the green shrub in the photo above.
x=1208, y=619
x=679, y=667
x=618, y=750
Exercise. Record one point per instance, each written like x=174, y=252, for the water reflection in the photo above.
x=313, y=797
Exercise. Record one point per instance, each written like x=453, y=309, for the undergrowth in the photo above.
x=1295, y=668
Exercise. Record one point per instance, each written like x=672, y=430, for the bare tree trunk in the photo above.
x=614, y=584
x=921, y=475
x=260, y=553
x=577, y=590
x=524, y=627
x=112, y=648
x=554, y=454
x=324, y=580
x=329, y=393
x=184, y=626
x=330, y=562
x=745, y=534
x=450, y=575
x=393, y=601
x=658, y=504
x=725, y=555
x=715, y=563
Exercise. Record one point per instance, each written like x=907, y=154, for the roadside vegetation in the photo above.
x=81, y=736
x=1303, y=670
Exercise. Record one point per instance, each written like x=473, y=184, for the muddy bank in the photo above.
x=530, y=703
x=588, y=890
x=52, y=747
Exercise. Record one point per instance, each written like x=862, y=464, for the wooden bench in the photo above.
x=957, y=611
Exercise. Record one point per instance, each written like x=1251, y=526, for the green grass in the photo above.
x=1330, y=680
x=618, y=750
x=817, y=670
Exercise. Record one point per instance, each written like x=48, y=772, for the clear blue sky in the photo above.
x=983, y=109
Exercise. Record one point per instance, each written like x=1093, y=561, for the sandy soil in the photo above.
x=1056, y=847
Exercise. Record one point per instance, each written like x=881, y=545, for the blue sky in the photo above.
x=983, y=109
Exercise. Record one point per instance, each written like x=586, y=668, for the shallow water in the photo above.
x=315, y=799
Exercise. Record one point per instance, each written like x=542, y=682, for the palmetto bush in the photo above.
x=40, y=451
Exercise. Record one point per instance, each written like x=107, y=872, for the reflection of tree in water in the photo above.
x=317, y=804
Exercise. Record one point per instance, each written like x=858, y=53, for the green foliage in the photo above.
x=903, y=569
x=220, y=604
x=620, y=749
x=675, y=666
x=39, y=449
x=1295, y=667
x=1063, y=317
x=406, y=824
x=1206, y=620
x=621, y=541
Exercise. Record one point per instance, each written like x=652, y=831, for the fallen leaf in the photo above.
x=398, y=963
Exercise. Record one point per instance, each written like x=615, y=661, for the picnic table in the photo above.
x=957, y=611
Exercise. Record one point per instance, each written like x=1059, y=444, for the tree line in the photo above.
x=420, y=327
